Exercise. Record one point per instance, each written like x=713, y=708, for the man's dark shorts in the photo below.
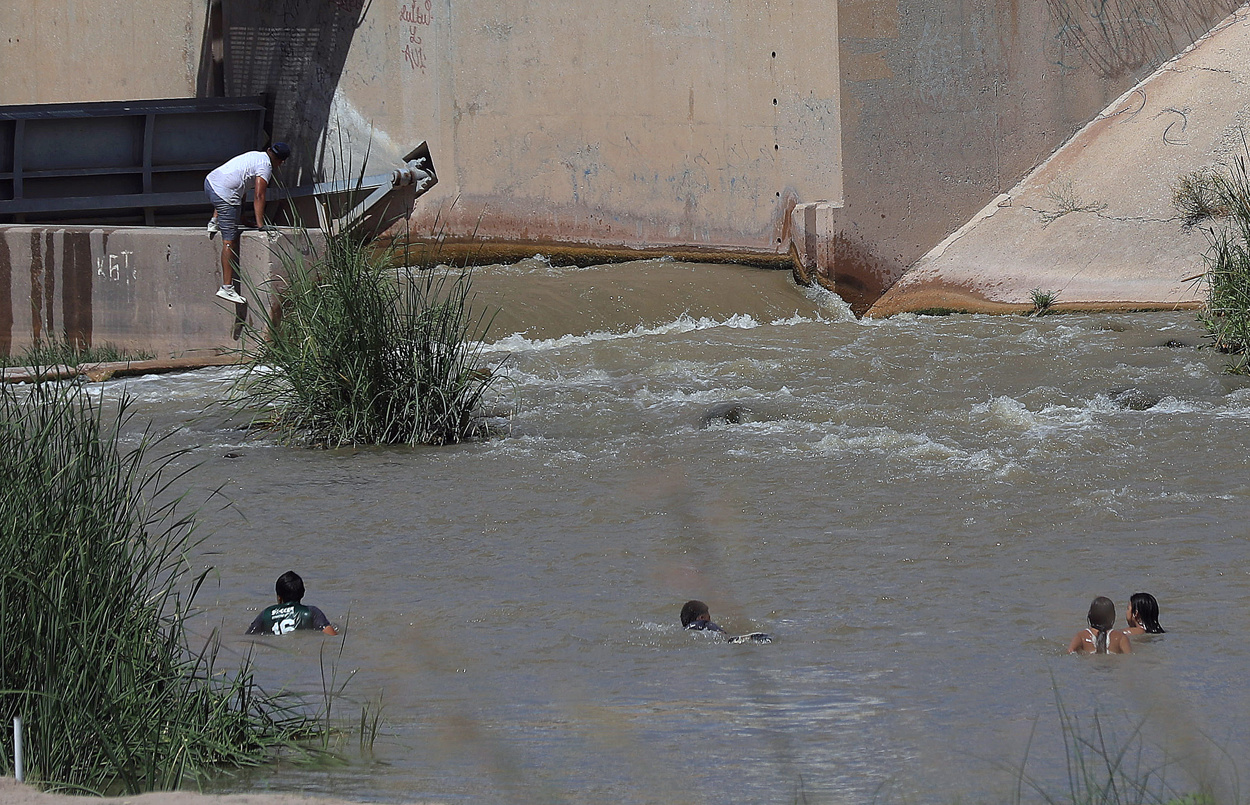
x=227, y=214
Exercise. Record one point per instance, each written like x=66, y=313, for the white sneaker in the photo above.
x=231, y=295
x=212, y=228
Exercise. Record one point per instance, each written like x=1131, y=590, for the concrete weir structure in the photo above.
x=1094, y=225
x=144, y=289
x=847, y=136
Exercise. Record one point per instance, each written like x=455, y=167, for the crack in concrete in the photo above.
x=1144, y=219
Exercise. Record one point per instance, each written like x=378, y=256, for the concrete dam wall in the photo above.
x=144, y=289
x=855, y=135
x=1094, y=225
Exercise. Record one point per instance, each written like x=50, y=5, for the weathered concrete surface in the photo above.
x=140, y=288
x=586, y=124
x=68, y=51
x=1095, y=222
x=710, y=124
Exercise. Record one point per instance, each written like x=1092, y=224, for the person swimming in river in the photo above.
x=695, y=616
x=289, y=614
x=1101, y=637
x=1143, y=615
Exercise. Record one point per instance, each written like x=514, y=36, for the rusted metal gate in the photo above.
x=119, y=162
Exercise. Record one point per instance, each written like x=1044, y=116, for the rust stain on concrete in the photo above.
x=868, y=19
x=938, y=295
x=859, y=275
x=6, y=299
x=422, y=252
x=77, y=287
x=41, y=261
x=868, y=67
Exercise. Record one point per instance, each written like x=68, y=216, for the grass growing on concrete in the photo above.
x=61, y=353
x=363, y=353
x=1222, y=200
x=1042, y=301
x=1200, y=195
x=1067, y=200
x=95, y=587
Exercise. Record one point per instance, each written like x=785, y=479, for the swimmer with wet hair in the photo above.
x=1143, y=615
x=695, y=615
x=1101, y=637
x=290, y=614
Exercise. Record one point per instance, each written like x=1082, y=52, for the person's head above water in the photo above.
x=290, y=588
x=1102, y=613
x=693, y=611
x=1144, y=609
x=695, y=615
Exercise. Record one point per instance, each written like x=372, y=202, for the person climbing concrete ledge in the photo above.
x=226, y=187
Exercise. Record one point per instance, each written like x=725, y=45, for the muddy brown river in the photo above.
x=919, y=510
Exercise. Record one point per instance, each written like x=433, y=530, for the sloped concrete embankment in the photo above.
x=1094, y=224
x=148, y=289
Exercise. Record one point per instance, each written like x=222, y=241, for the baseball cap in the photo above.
x=281, y=150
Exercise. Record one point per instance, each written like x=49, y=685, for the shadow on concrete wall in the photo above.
x=210, y=80
x=291, y=52
x=1119, y=38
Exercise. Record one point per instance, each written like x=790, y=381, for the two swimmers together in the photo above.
x=1103, y=638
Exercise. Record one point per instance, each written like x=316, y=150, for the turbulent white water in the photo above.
x=919, y=510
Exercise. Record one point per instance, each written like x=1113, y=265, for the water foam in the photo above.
x=1008, y=413
x=517, y=342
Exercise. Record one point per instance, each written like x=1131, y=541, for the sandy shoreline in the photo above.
x=14, y=793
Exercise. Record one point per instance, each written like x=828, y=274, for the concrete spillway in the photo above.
x=1094, y=224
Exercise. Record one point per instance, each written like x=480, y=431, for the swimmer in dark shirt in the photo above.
x=289, y=615
x=695, y=616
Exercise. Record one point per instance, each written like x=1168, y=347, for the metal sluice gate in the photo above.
x=144, y=162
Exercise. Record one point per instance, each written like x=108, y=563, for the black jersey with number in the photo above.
x=285, y=618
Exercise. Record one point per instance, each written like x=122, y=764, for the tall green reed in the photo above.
x=359, y=352
x=1223, y=198
x=95, y=590
x=54, y=353
x=1106, y=768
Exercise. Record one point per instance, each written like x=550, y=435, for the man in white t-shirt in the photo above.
x=226, y=188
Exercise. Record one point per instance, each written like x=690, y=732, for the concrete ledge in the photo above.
x=98, y=372
x=147, y=289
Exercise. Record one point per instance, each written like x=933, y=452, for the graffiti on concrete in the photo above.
x=116, y=267
x=415, y=18
x=1123, y=37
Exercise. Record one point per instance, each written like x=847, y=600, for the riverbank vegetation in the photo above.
x=361, y=352
x=1042, y=301
x=61, y=353
x=1110, y=769
x=95, y=590
x=1221, y=200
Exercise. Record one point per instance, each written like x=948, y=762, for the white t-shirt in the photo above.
x=231, y=180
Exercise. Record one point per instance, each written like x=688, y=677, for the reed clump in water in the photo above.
x=363, y=353
x=95, y=587
x=1210, y=195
